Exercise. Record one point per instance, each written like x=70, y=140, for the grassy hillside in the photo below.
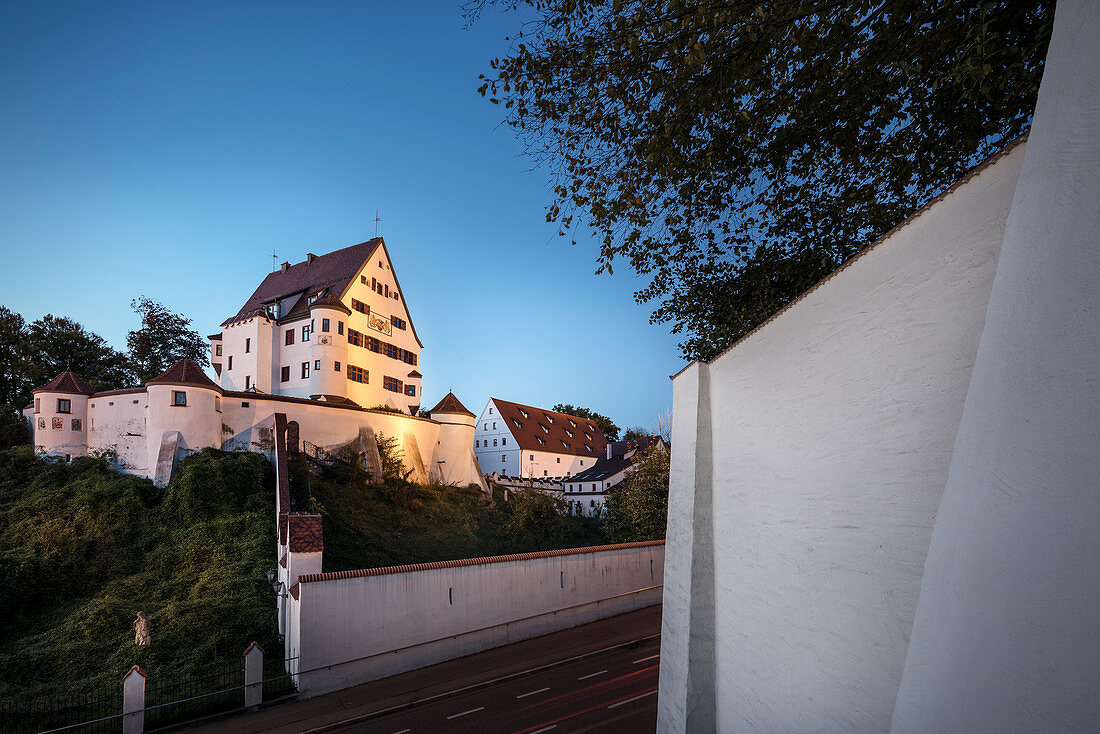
x=397, y=522
x=83, y=549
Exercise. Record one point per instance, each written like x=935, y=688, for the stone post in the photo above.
x=133, y=701
x=253, y=675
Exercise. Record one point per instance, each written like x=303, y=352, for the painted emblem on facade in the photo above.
x=379, y=323
x=77, y=424
x=58, y=424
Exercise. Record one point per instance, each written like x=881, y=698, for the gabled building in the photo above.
x=333, y=328
x=586, y=492
x=523, y=441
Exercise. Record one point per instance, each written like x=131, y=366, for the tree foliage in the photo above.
x=605, y=424
x=637, y=509
x=536, y=518
x=57, y=343
x=162, y=339
x=735, y=152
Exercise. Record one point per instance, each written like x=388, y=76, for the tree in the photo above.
x=635, y=433
x=56, y=343
x=164, y=338
x=637, y=509
x=736, y=152
x=536, y=517
x=605, y=424
x=15, y=384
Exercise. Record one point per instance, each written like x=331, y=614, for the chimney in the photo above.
x=609, y=450
x=284, y=267
x=310, y=257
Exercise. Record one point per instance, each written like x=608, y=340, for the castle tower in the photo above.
x=328, y=348
x=454, y=457
x=185, y=413
x=60, y=426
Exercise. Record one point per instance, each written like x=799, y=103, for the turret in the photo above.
x=184, y=414
x=455, y=462
x=328, y=348
x=61, y=416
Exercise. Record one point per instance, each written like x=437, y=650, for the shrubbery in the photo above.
x=83, y=549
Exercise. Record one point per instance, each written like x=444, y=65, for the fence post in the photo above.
x=133, y=701
x=253, y=675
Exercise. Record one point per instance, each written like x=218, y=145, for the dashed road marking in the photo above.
x=592, y=675
x=651, y=657
x=545, y=728
x=471, y=711
x=531, y=693
x=403, y=731
x=631, y=700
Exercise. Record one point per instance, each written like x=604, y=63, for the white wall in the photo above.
x=459, y=610
x=1006, y=637
x=817, y=450
x=118, y=423
x=64, y=440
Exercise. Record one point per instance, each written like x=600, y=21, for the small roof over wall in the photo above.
x=68, y=382
x=451, y=404
x=184, y=372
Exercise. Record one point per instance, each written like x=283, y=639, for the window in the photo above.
x=544, y=428
x=64, y=405
x=559, y=459
x=230, y=365
x=179, y=397
x=486, y=426
x=305, y=333
x=572, y=424
x=374, y=281
x=217, y=350
x=398, y=323
x=244, y=404
x=563, y=443
x=358, y=374
x=363, y=279
x=247, y=382
x=360, y=306
x=568, y=433
x=410, y=357
x=38, y=405
x=532, y=457
x=477, y=444
x=410, y=390
x=392, y=384
x=544, y=472
x=305, y=370
x=317, y=365
x=77, y=425
x=390, y=350
x=548, y=418
x=373, y=344
x=217, y=404
x=582, y=462
x=503, y=458
x=354, y=337
x=494, y=425
x=593, y=487
x=247, y=346
x=324, y=324
x=284, y=374
x=395, y=296
x=523, y=412
x=494, y=442
x=289, y=337
x=504, y=441
x=339, y=327
x=387, y=293
x=336, y=366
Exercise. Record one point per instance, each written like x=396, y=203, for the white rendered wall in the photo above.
x=828, y=434
x=1006, y=637
x=64, y=440
x=466, y=609
x=118, y=423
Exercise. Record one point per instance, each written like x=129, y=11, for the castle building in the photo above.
x=328, y=343
x=586, y=492
x=523, y=441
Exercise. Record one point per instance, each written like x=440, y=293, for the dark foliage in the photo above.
x=163, y=339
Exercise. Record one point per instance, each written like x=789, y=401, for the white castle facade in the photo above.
x=328, y=342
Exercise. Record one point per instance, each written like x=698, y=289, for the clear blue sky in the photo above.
x=167, y=149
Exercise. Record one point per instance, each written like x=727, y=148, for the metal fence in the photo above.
x=169, y=699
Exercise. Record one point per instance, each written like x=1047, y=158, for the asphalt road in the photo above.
x=614, y=691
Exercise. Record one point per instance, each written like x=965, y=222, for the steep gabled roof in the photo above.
x=451, y=404
x=333, y=271
x=68, y=381
x=539, y=429
x=184, y=372
x=619, y=460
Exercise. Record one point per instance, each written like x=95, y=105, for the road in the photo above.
x=562, y=672
x=614, y=691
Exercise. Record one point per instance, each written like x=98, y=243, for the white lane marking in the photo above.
x=545, y=728
x=631, y=700
x=531, y=693
x=592, y=675
x=651, y=657
x=471, y=711
x=403, y=731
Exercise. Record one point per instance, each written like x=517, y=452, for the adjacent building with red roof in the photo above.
x=520, y=440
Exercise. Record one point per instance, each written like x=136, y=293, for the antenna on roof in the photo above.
x=377, y=219
x=274, y=260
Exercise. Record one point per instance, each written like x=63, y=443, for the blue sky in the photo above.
x=167, y=150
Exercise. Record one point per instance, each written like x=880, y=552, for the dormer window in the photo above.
x=563, y=443
x=544, y=428
x=518, y=424
x=572, y=423
x=588, y=448
x=523, y=412
x=541, y=442
x=587, y=437
x=548, y=418
x=568, y=433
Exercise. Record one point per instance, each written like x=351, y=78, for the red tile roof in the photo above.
x=451, y=404
x=334, y=271
x=548, y=430
x=304, y=533
x=184, y=372
x=387, y=570
x=68, y=381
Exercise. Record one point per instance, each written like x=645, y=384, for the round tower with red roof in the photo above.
x=60, y=416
